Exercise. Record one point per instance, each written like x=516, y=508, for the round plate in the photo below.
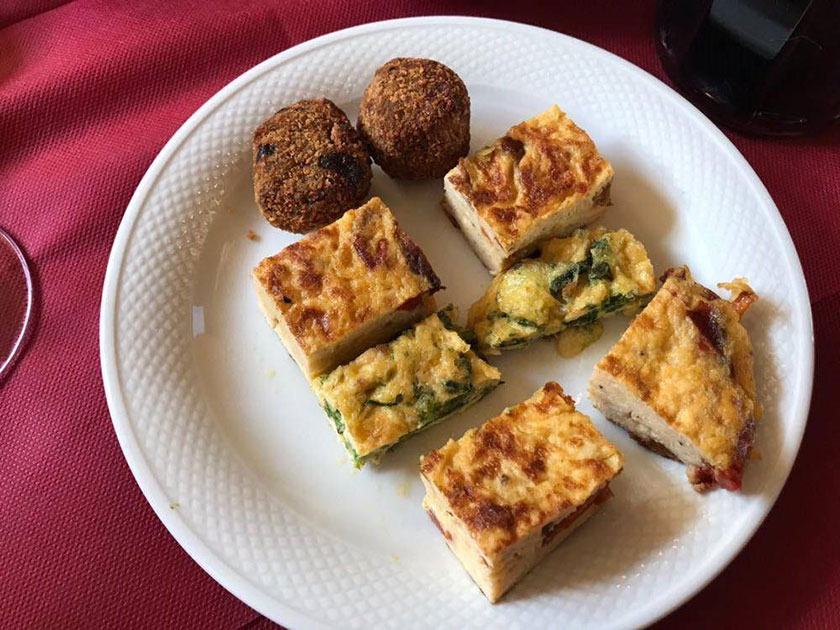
x=230, y=448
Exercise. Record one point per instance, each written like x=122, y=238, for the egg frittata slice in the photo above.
x=504, y=495
x=394, y=390
x=543, y=178
x=680, y=380
x=346, y=287
x=576, y=280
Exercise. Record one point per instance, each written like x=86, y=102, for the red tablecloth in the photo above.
x=89, y=92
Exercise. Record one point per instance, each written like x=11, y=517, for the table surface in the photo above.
x=89, y=93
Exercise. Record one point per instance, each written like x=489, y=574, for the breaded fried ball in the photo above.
x=309, y=166
x=415, y=118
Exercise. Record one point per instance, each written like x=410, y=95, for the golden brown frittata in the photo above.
x=681, y=379
x=345, y=287
x=542, y=179
x=503, y=493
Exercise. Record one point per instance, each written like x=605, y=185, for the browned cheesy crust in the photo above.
x=502, y=493
x=346, y=287
x=543, y=178
x=688, y=359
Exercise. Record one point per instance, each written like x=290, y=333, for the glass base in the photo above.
x=16, y=298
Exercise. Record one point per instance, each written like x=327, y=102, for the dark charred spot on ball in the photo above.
x=265, y=150
x=344, y=164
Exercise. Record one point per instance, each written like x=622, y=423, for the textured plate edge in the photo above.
x=199, y=551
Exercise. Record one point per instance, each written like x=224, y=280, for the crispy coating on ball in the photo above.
x=309, y=166
x=415, y=118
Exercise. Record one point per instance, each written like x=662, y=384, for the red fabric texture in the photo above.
x=89, y=93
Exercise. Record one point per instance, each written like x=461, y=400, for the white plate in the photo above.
x=236, y=459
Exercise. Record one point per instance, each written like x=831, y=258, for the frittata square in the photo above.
x=543, y=178
x=573, y=283
x=400, y=388
x=680, y=380
x=346, y=287
x=504, y=495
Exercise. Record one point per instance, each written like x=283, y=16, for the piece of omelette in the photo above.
x=575, y=281
x=396, y=389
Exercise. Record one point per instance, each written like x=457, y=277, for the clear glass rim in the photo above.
x=18, y=344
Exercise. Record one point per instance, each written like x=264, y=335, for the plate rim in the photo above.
x=230, y=578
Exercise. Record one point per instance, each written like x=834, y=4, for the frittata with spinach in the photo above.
x=396, y=389
x=574, y=281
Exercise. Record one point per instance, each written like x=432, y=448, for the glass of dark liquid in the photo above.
x=769, y=67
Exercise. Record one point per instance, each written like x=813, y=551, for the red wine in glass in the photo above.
x=769, y=67
x=15, y=301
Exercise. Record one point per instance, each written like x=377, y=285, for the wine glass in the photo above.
x=16, y=297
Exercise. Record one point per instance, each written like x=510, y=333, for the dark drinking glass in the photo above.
x=759, y=66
